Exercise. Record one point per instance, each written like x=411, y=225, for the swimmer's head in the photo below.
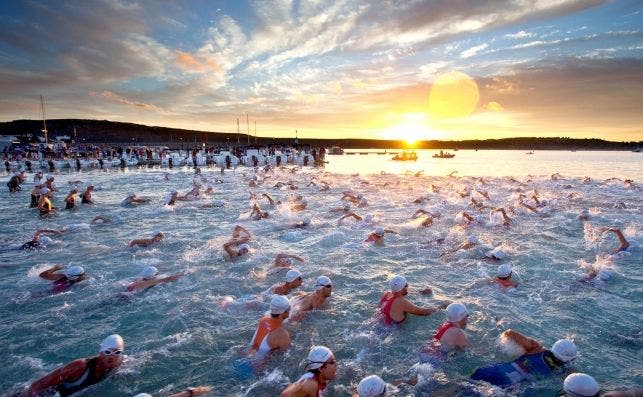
x=456, y=312
x=581, y=385
x=472, y=239
x=398, y=283
x=243, y=249
x=360, y=196
x=496, y=253
x=159, y=235
x=379, y=231
x=368, y=218
x=604, y=274
x=131, y=194
x=292, y=275
x=50, y=178
x=44, y=190
x=149, y=272
x=504, y=271
x=565, y=350
x=111, y=351
x=44, y=240
x=112, y=342
x=317, y=357
x=305, y=221
x=75, y=273
x=347, y=207
x=279, y=304
x=371, y=386
x=324, y=284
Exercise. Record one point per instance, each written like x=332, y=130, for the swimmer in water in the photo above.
x=394, y=307
x=312, y=300
x=346, y=209
x=506, y=221
x=86, y=196
x=188, y=392
x=429, y=216
x=44, y=202
x=171, y=198
x=285, y=260
x=377, y=236
x=70, y=200
x=133, y=199
x=270, y=334
x=81, y=373
x=506, y=277
x=257, y=214
x=238, y=246
x=371, y=386
x=349, y=215
x=535, y=363
x=450, y=335
x=100, y=218
x=63, y=280
x=270, y=200
x=146, y=242
x=321, y=368
x=149, y=278
x=471, y=242
x=36, y=241
x=621, y=238
x=293, y=281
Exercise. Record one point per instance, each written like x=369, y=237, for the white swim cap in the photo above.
x=112, y=342
x=317, y=357
x=456, y=312
x=131, y=194
x=218, y=203
x=149, y=272
x=504, y=270
x=44, y=190
x=581, y=385
x=565, y=350
x=371, y=386
x=243, y=246
x=74, y=272
x=44, y=240
x=379, y=231
x=143, y=395
x=359, y=196
x=279, y=304
x=368, y=218
x=49, y=177
x=397, y=283
x=472, y=239
x=322, y=281
x=292, y=275
x=306, y=221
x=496, y=253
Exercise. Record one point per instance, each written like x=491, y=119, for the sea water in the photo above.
x=191, y=332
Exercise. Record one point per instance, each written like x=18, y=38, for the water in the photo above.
x=183, y=334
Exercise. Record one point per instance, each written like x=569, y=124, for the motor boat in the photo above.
x=335, y=150
x=444, y=155
x=407, y=155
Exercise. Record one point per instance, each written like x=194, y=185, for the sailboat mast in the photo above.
x=44, y=123
x=248, y=128
x=238, y=130
x=255, y=132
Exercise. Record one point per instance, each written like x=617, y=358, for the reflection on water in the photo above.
x=189, y=332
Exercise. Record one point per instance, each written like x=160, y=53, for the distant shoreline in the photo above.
x=128, y=134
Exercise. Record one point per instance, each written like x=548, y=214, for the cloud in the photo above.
x=520, y=35
x=113, y=97
x=473, y=51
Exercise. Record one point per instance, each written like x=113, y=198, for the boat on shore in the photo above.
x=444, y=155
x=407, y=155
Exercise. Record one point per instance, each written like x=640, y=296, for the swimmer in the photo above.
x=394, y=307
x=346, y=209
x=371, y=386
x=270, y=335
x=535, y=363
x=70, y=200
x=312, y=300
x=149, y=278
x=428, y=221
x=237, y=247
x=584, y=215
x=50, y=184
x=621, y=238
x=506, y=277
x=471, y=242
x=189, y=392
x=241, y=232
x=132, y=199
x=146, y=242
x=506, y=221
x=377, y=236
x=304, y=223
x=63, y=280
x=100, y=218
x=293, y=280
x=355, y=199
x=270, y=200
x=349, y=215
x=80, y=373
x=285, y=260
x=35, y=196
x=421, y=200
x=36, y=241
x=257, y=214
x=86, y=196
x=321, y=368
x=189, y=196
x=581, y=385
x=171, y=198
x=44, y=202
x=451, y=333
x=298, y=205
x=496, y=254
x=15, y=182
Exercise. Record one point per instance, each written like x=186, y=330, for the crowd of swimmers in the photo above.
x=532, y=362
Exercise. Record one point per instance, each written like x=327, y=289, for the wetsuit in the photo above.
x=14, y=184
x=88, y=378
x=70, y=204
x=385, y=309
x=34, y=200
x=85, y=200
x=529, y=367
x=30, y=245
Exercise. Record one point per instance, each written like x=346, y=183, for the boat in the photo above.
x=407, y=155
x=444, y=155
x=529, y=152
x=637, y=150
x=335, y=150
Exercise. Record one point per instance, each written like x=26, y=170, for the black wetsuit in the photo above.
x=30, y=245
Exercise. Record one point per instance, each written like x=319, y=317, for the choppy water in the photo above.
x=180, y=334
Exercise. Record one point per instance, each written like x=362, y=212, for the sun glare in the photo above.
x=411, y=128
x=453, y=95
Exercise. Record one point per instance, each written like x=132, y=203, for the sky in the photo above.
x=385, y=69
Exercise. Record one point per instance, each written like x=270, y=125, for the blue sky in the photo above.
x=385, y=69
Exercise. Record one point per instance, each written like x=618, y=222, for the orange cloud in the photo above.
x=119, y=99
x=189, y=62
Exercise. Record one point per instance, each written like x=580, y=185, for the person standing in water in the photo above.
x=394, y=306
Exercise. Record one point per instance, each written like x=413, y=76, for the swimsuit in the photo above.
x=320, y=386
x=529, y=367
x=88, y=378
x=260, y=338
x=385, y=308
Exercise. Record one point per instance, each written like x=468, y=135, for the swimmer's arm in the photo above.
x=229, y=248
x=530, y=345
x=100, y=218
x=621, y=238
x=638, y=392
x=418, y=311
x=193, y=391
x=50, y=274
x=171, y=278
x=66, y=373
x=238, y=229
x=141, y=241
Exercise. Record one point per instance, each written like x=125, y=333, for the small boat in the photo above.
x=444, y=155
x=407, y=155
x=637, y=150
x=529, y=152
x=335, y=150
